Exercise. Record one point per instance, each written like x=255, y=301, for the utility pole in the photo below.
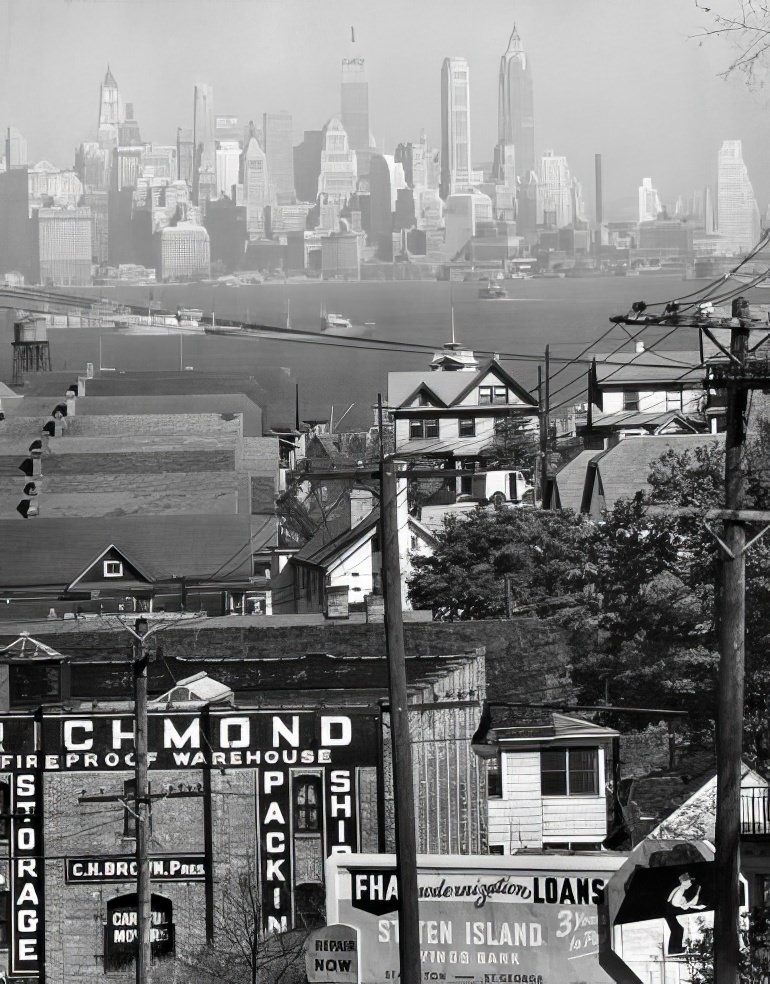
x=545, y=423
x=400, y=740
x=732, y=632
x=141, y=806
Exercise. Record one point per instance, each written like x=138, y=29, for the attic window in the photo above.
x=113, y=568
x=489, y=395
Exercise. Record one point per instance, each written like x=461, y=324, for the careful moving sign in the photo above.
x=532, y=919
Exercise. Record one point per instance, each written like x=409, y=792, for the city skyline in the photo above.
x=634, y=89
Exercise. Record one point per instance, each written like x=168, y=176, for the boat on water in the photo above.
x=337, y=324
x=492, y=291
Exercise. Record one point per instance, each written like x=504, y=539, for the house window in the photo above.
x=307, y=804
x=673, y=400
x=113, y=568
x=569, y=772
x=489, y=395
x=631, y=401
x=466, y=427
x=422, y=427
x=494, y=779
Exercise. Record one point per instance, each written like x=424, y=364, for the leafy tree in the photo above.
x=541, y=553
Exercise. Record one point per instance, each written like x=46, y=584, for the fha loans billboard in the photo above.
x=533, y=919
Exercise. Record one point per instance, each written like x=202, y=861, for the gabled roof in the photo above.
x=570, y=482
x=512, y=725
x=333, y=540
x=111, y=549
x=622, y=470
x=449, y=387
x=53, y=552
x=695, y=818
x=27, y=648
x=424, y=390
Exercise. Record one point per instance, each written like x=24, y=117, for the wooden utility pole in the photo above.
x=141, y=808
x=545, y=423
x=400, y=740
x=732, y=630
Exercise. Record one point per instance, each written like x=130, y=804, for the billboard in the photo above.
x=529, y=919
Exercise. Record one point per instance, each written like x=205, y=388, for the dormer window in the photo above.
x=113, y=568
x=492, y=395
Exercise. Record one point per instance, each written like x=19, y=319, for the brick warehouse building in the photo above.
x=261, y=767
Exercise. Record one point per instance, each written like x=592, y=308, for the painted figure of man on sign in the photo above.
x=681, y=900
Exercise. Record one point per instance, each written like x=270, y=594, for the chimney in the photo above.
x=71, y=398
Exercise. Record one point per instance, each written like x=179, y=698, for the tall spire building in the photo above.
x=515, y=112
x=110, y=111
x=455, y=127
x=204, y=145
x=354, y=105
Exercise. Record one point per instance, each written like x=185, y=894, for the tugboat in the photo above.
x=491, y=291
x=337, y=324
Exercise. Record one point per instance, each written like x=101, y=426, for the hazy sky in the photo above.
x=624, y=78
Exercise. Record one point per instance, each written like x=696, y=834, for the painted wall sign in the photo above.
x=533, y=920
x=223, y=739
x=122, y=868
x=27, y=909
x=121, y=932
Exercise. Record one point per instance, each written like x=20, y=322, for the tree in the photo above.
x=746, y=27
x=243, y=952
x=540, y=553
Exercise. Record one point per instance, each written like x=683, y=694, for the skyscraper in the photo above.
x=455, y=127
x=255, y=188
x=737, y=211
x=649, y=202
x=64, y=244
x=554, y=192
x=110, y=111
x=15, y=149
x=338, y=178
x=354, y=106
x=515, y=113
x=279, y=138
x=204, y=169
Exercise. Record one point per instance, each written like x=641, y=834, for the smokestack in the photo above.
x=598, y=174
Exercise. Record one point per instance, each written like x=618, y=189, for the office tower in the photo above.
x=17, y=251
x=126, y=167
x=228, y=166
x=554, y=191
x=15, y=149
x=64, y=246
x=386, y=178
x=307, y=165
x=227, y=128
x=160, y=162
x=463, y=213
x=226, y=225
x=598, y=189
x=204, y=166
x=255, y=188
x=515, y=152
x=278, y=139
x=110, y=111
x=93, y=165
x=455, y=127
x=97, y=200
x=49, y=182
x=354, y=105
x=128, y=129
x=338, y=178
x=185, y=155
x=649, y=202
x=185, y=252
x=737, y=211
x=709, y=213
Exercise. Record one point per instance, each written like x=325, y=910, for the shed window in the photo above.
x=569, y=772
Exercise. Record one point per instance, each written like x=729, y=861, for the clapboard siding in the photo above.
x=516, y=820
x=574, y=817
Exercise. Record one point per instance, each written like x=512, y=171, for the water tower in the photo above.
x=31, y=351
